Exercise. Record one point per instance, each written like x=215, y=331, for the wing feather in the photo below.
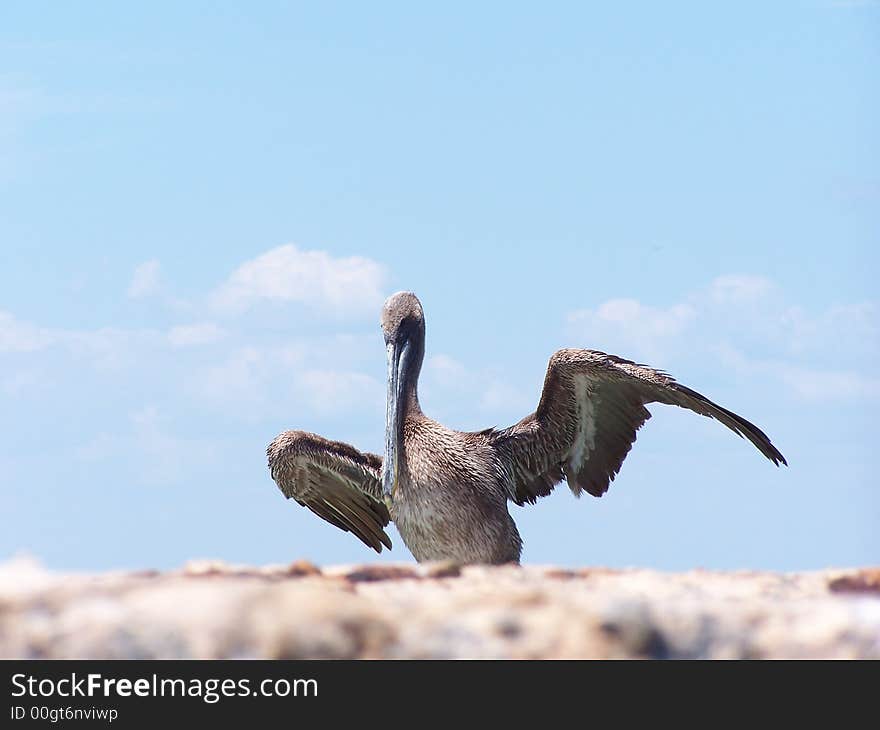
x=335, y=481
x=591, y=407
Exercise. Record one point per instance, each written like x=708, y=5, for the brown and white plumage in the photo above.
x=335, y=481
x=447, y=491
x=586, y=422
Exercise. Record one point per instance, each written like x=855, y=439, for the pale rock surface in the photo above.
x=436, y=611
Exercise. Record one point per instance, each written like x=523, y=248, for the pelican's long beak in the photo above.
x=397, y=360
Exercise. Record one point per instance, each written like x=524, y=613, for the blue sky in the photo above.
x=202, y=207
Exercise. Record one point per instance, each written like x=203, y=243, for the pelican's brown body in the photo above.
x=448, y=491
x=450, y=502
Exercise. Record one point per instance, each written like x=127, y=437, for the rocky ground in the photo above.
x=302, y=611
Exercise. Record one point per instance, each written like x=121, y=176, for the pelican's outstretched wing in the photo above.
x=590, y=409
x=335, y=481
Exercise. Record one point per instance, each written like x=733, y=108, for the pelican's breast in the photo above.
x=449, y=504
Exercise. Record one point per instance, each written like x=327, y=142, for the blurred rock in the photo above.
x=213, y=609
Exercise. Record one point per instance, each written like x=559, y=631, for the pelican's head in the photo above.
x=401, y=312
x=403, y=325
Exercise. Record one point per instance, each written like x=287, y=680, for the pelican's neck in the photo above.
x=411, y=405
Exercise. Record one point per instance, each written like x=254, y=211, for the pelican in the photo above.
x=447, y=491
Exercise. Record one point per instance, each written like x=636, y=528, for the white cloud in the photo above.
x=110, y=347
x=739, y=289
x=629, y=325
x=314, y=278
x=150, y=451
x=188, y=335
x=104, y=347
x=18, y=336
x=165, y=456
x=240, y=377
x=807, y=383
x=469, y=395
x=853, y=330
x=19, y=382
x=829, y=384
x=97, y=448
x=249, y=376
x=447, y=371
x=743, y=313
x=501, y=396
x=145, y=280
x=329, y=391
x=300, y=377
